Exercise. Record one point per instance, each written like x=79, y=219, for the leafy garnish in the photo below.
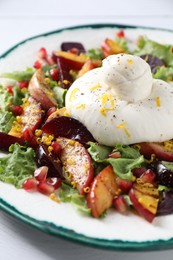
x=60, y=94
x=20, y=75
x=5, y=99
x=123, y=166
x=95, y=54
x=98, y=152
x=164, y=73
x=127, y=151
x=6, y=121
x=69, y=194
x=163, y=52
x=18, y=165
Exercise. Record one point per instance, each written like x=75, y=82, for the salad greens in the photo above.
x=18, y=165
x=162, y=51
x=6, y=121
x=95, y=54
x=5, y=99
x=68, y=194
x=97, y=160
x=20, y=75
x=130, y=158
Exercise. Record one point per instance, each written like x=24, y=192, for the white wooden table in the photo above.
x=21, y=19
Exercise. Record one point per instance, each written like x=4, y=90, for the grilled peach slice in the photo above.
x=40, y=90
x=159, y=150
x=89, y=65
x=145, y=199
x=102, y=192
x=76, y=162
x=110, y=47
x=30, y=119
x=73, y=61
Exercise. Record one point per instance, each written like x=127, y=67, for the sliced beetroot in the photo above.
x=45, y=158
x=66, y=46
x=153, y=61
x=64, y=75
x=164, y=176
x=62, y=126
x=165, y=207
x=7, y=140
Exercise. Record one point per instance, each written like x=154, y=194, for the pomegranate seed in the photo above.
x=30, y=184
x=40, y=174
x=115, y=155
x=45, y=188
x=124, y=185
x=56, y=147
x=17, y=110
x=120, y=204
x=54, y=181
x=23, y=84
x=120, y=34
x=137, y=172
x=42, y=53
x=54, y=73
x=10, y=89
x=50, y=61
x=37, y=65
x=148, y=176
x=50, y=111
x=28, y=135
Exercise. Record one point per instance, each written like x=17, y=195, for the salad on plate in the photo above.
x=93, y=127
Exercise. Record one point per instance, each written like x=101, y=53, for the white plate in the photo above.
x=115, y=231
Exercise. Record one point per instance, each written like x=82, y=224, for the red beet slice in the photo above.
x=68, y=127
x=66, y=46
x=45, y=158
x=7, y=140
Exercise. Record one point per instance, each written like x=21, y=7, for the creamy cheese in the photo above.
x=121, y=102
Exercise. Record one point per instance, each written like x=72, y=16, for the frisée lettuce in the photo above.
x=18, y=165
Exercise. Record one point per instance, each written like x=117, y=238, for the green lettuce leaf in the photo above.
x=18, y=95
x=168, y=165
x=68, y=194
x=123, y=43
x=95, y=54
x=5, y=99
x=127, y=151
x=163, y=52
x=60, y=94
x=123, y=166
x=18, y=165
x=98, y=152
x=20, y=75
x=164, y=73
x=6, y=121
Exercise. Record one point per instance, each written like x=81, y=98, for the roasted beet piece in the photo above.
x=153, y=61
x=62, y=126
x=164, y=176
x=165, y=206
x=45, y=158
x=64, y=75
x=66, y=46
x=7, y=140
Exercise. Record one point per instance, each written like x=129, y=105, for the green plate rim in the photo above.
x=52, y=229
